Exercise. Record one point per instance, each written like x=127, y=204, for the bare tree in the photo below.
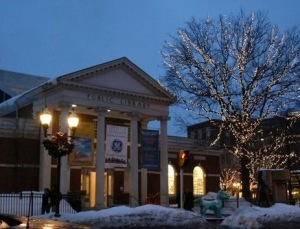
x=228, y=176
x=238, y=69
x=271, y=147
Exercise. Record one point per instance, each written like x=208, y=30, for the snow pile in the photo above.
x=277, y=216
x=210, y=196
x=138, y=217
x=155, y=216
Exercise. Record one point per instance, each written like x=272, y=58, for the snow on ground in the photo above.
x=276, y=216
x=155, y=216
x=137, y=217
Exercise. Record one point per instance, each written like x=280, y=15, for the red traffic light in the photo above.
x=183, y=158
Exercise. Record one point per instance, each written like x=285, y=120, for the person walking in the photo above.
x=55, y=198
x=46, y=204
x=188, y=200
x=263, y=191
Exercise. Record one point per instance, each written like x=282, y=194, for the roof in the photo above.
x=81, y=79
x=141, y=76
x=13, y=83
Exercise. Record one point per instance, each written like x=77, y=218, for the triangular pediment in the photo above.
x=118, y=79
x=118, y=75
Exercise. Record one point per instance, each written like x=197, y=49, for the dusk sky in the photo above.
x=56, y=37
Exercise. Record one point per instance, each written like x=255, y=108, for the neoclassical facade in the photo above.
x=110, y=98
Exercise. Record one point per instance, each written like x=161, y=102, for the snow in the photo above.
x=246, y=216
x=277, y=216
x=142, y=216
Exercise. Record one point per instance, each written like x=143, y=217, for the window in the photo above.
x=198, y=181
x=171, y=180
x=203, y=136
x=227, y=139
x=208, y=133
x=196, y=135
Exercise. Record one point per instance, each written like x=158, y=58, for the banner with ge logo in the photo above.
x=116, y=146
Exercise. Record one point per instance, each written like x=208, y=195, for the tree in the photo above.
x=238, y=69
x=228, y=176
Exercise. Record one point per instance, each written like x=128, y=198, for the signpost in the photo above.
x=183, y=160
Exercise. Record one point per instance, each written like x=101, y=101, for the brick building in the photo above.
x=116, y=94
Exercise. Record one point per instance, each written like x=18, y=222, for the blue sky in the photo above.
x=56, y=37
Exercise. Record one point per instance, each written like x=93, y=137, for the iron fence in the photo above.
x=30, y=203
x=237, y=202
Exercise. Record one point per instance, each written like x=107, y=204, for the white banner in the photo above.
x=116, y=146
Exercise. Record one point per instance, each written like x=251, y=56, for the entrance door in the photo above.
x=108, y=187
x=88, y=182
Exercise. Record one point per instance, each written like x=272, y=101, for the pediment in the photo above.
x=117, y=79
x=118, y=75
x=125, y=85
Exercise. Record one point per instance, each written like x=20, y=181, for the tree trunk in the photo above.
x=245, y=179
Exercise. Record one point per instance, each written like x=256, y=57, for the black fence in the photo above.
x=237, y=202
x=30, y=203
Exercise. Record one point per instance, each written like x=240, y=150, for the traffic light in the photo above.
x=183, y=158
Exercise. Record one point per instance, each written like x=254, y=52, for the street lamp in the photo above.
x=58, y=145
x=45, y=119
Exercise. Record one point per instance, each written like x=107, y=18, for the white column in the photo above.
x=144, y=174
x=164, y=197
x=65, y=166
x=100, y=159
x=45, y=164
x=134, y=175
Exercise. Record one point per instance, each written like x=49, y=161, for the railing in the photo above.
x=153, y=199
x=30, y=203
x=236, y=203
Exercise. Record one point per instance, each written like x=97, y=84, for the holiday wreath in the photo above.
x=58, y=145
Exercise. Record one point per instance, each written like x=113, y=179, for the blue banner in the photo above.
x=150, y=152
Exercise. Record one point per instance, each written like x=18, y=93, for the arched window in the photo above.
x=198, y=181
x=171, y=180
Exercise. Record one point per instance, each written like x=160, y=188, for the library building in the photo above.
x=109, y=154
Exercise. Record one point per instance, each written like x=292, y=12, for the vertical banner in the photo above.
x=116, y=146
x=150, y=153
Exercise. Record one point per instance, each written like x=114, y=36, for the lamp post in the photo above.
x=183, y=160
x=58, y=145
x=236, y=186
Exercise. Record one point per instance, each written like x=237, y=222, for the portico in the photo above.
x=116, y=93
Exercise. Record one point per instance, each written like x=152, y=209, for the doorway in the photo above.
x=88, y=184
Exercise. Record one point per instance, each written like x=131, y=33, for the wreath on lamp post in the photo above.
x=58, y=145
